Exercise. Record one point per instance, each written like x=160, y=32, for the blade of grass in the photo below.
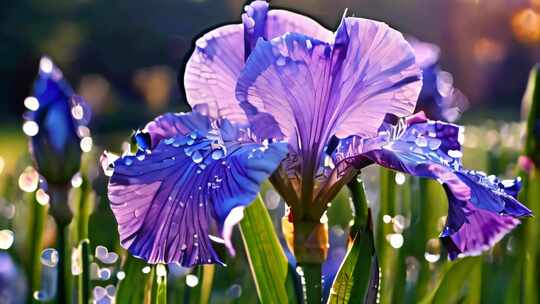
x=132, y=289
x=358, y=277
x=35, y=239
x=267, y=261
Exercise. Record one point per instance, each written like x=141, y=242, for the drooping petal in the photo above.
x=471, y=230
x=314, y=89
x=172, y=124
x=169, y=202
x=482, y=208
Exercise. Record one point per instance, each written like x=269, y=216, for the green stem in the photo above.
x=39, y=213
x=312, y=286
x=63, y=291
x=83, y=288
x=59, y=209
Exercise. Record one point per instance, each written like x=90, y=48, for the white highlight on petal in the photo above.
x=77, y=112
x=31, y=103
x=30, y=128
x=234, y=217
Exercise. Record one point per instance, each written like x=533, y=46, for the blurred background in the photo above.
x=126, y=59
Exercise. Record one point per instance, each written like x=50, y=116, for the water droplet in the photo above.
x=196, y=157
x=435, y=143
x=29, y=180
x=183, y=247
x=6, y=239
x=128, y=161
x=281, y=61
x=104, y=274
x=141, y=157
x=455, y=153
x=86, y=144
x=77, y=112
x=31, y=103
x=76, y=180
x=39, y=296
x=421, y=142
x=235, y=291
x=395, y=239
x=99, y=292
x=400, y=178
x=433, y=251
x=271, y=199
x=120, y=275
x=217, y=154
x=161, y=270
x=111, y=290
x=169, y=141
x=146, y=269
x=386, y=218
x=49, y=257
x=192, y=280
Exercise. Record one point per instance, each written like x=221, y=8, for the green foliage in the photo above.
x=267, y=261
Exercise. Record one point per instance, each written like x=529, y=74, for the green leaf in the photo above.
x=358, y=277
x=269, y=267
x=159, y=292
x=452, y=279
x=130, y=290
x=83, y=279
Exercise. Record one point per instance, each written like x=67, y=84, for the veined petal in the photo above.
x=170, y=201
x=212, y=70
x=172, y=124
x=314, y=89
x=482, y=209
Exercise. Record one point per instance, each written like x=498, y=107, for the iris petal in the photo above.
x=482, y=208
x=169, y=202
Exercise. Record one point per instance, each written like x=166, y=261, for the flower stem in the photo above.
x=63, y=291
x=310, y=248
x=59, y=209
x=311, y=282
x=39, y=214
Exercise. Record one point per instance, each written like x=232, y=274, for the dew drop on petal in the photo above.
x=421, y=142
x=434, y=143
x=46, y=65
x=49, y=257
x=128, y=161
x=196, y=157
x=217, y=154
x=455, y=153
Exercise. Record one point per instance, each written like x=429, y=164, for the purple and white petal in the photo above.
x=173, y=200
x=482, y=208
x=212, y=71
x=313, y=89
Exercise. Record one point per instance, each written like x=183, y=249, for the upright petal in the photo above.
x=314, y=89
x=212, y=70
x=170, y=201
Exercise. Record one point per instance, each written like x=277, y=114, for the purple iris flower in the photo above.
x=53, y=122
x=280, y=97
x=439, y=99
